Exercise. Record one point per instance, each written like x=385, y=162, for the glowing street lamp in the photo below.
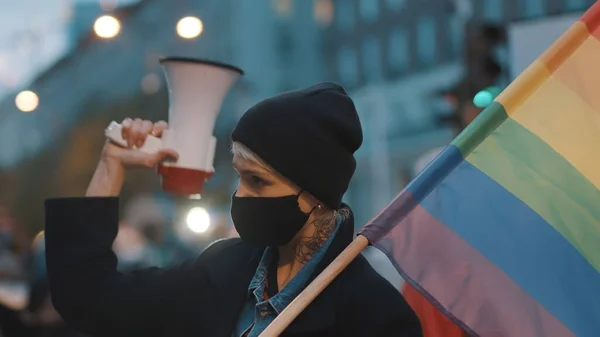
x=107, y=27
x=189, y=27
x=27, y=101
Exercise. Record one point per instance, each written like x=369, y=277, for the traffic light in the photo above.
x=482, y=81
x=486, y=96
x=483, y=68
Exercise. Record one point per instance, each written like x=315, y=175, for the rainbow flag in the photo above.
x=501, y=231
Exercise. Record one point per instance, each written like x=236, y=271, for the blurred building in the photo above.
x=395, y=57
x=102, y=71
x=81, y=15
x=276, y=42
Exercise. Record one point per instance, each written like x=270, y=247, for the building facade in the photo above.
x=394, y=56
x=277, y=43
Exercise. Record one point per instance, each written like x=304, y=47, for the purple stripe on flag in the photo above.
x=463, y=281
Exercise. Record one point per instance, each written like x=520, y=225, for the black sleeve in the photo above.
x=375, y=308
x=85, y=286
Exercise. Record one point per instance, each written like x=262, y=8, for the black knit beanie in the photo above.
x=309, y=136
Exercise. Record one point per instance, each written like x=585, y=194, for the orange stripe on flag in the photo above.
x=523, y=86
x=581, y=73
x=565, y=46
x=591, y=18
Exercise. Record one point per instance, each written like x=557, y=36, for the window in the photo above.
x=284, y=44
x=571, y=5
x=456, y=30
x=532, y=8
x=344, y=15
x=10, y=135
x=493, y=10
x=347, y=66
x=396, y=4
x=323, y=12
x=371, y=50
x=426, y=40
x=369, y=9
x=398, y=49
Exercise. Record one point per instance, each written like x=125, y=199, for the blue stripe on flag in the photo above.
x=516, y=239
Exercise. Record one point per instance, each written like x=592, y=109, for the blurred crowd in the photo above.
x=146, y=238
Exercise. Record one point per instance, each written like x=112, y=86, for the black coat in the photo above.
x=204, y=297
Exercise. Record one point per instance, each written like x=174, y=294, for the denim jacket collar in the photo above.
x=298, y=282
x=320, y=313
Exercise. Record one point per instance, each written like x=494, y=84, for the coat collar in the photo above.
x=319, y=315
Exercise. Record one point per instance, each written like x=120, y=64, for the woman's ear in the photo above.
x=308, y=202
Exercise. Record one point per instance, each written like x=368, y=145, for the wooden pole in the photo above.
x=287, y=316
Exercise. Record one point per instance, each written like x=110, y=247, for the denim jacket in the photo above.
x=258, y=313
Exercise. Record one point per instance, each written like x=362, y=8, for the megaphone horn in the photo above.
x=196, y=92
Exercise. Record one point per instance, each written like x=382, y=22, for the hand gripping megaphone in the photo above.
x=196, y=92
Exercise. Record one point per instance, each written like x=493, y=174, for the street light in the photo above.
x=107, y=27
x=189, y=27
x=27, y=101
x=198, y=220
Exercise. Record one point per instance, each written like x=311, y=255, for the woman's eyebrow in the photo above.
x=244, y=166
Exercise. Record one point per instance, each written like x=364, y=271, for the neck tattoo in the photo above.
x=309, y=245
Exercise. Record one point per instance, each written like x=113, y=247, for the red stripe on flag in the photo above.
x=591, y=18
x=433, y=322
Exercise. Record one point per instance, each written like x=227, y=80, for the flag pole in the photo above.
x=287, y=316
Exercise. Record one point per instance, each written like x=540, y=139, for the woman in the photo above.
x=294, y=155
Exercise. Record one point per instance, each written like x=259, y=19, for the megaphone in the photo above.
x=196, y=92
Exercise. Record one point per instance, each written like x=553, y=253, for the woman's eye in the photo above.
x=256, y=181
x=253, y=181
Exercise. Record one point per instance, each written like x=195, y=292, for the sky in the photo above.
x=33, y=35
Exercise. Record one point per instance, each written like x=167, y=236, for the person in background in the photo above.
x=144, y=214
x=382, y=264
x=465, y=115
x=11, y=261
x=40, y=315
x=434, y=322
x=13, y=287
x=295, y=157
x=133, y=250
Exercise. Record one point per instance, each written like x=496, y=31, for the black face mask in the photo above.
x=267, y=221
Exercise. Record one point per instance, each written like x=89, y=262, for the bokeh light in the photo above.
x=198, y=220
x=27, y=101
x=107, y=27
x=189, y=27
x=150, y=84
x=283, y=7
x=323, y=11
